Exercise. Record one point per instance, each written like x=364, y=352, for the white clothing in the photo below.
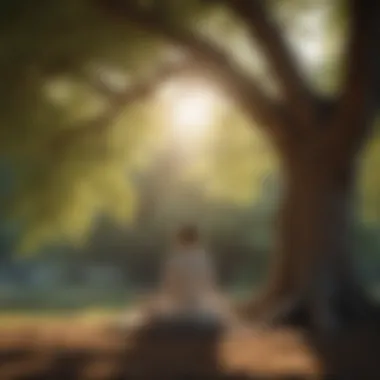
x=188, y=283
x=188, y=288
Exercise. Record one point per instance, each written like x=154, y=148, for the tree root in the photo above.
x=329, y=315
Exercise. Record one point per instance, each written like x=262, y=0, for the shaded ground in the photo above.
x=79, y=349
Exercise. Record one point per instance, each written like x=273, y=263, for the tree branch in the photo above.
x=117, y=103
x=358, y=102
x=214, y=62
x=297, y=94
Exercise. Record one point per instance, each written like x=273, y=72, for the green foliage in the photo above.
x=48, y=51
x=50, y=54
x=45, y=51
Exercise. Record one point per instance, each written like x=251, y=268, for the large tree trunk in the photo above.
x=313, y=282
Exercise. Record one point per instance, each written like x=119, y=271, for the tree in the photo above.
x=316, y=138
x=79, y=118
x=71, y=163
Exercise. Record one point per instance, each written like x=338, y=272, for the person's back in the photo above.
x=188, y=288
x=188, y=283
x=188, y=279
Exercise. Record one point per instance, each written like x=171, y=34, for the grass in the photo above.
x=68, y=301
x=83, y=303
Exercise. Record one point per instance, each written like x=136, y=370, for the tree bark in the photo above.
x=313, y=281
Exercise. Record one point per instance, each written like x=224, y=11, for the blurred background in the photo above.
x=97, y=171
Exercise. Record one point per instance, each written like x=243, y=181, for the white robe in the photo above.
x=189, y=285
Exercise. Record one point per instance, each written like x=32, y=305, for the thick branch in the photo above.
x=357, y=105
x=117, y=103
x=280, y=58
x=215, y=62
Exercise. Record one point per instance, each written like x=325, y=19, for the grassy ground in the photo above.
x=63, y=301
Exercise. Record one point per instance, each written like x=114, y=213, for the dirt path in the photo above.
x=73, y=349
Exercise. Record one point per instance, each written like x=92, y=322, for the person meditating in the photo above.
x=187, y=294
x=188, y=288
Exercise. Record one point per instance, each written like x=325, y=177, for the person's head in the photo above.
x=187, y=236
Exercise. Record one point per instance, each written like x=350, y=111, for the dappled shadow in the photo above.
x=180, y=351
x=175, y=351
x=172, y=353
x=151, y=352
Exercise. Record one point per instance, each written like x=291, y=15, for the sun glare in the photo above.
x=189, y=109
